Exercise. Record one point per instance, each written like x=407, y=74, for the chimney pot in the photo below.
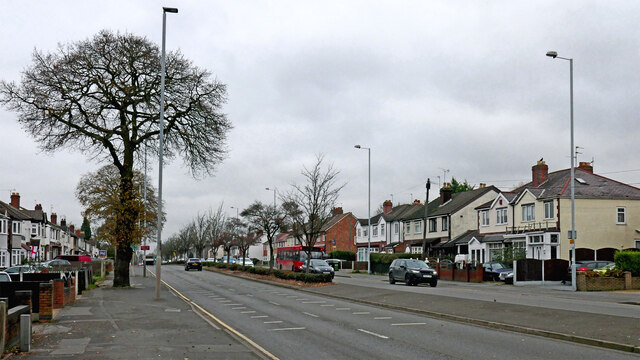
x=39, y=207
x=586, y=166
x=387, y=205
x=337, y=211
x=15, y=200
x=539, y=173
x=54, y=218
x=445, y=193
x=416, y=201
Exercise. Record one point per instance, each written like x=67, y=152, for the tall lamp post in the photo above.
x=274, y=195
x=369, y=212
x=572, y=234
x=165, y=10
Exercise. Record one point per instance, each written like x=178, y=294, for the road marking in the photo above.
x=259, y=316
x=342, y=309
x=286, y=329
x=302, y=299
x=407, y=324
x=274, y=322
x=310, y=314
x=374, y=334
x=230, y=289
x=225, y=301
x=248, y=295
x=382, y=318
x=274, y=303
x=361, y=313
x=327, y=305
x=234, y=331
x=248, y=312
x=292, y=296
x=314, y=302
x=239, y=308
x=231, y=304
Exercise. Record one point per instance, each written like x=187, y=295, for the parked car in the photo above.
x=211, y=259
x=318, y=266
x=506, y=276
x=56, y=262
x=4, y=277
x=21, y=268
x=232, y=260
x=75, y=258
x=492, y=270
x=193, y=263
x=586, y=265
x=245, y=262
x=412, y=272
x=605, y=268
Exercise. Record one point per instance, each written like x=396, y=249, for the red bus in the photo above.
x=292, y=257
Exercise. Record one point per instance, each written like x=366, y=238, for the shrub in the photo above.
x=628, y=261
x=208, y=263
x=381, y=258
x=343, y=255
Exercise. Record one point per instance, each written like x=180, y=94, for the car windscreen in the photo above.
x=498, y=266
x=317, y=262
x=194, y=260
x=417, y=264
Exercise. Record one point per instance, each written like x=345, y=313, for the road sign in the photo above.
x=102, y=254
x=144, y=247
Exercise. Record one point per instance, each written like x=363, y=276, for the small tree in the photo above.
x=309, y=206
x=216, y=221
x=458, y=187
x=267, y=219
x=246, y=240
x=86, y=228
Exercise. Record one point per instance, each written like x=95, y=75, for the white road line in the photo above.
x=292, y=296
x=382, y=318
x=407, y=324
x=286, y=329
x=260, y=316
x=274, y=322
x=342, y=309
x=249, y=295
x=327, y=305
x=247, y=312
x=231, y=304
x=224, y=301
x=314, y=302
x=274, y=303
x=230, y=289
x=239, y=308
x=302, y=299
x=374, y=334
x=310, y=314
x=361, y=313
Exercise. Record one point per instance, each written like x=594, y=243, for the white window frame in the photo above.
x=375, y=231
x=445, y=223
x=407, y=227
x=433, y=228
x=484, y=217
x=621, y=210
x=529, y=212
x=34, y=229
x=548, y=210
x=16, y=227
x=418, y=227
x=396, y=228
x=416, y=250
x=4, y=226
x=359, y=233
x=501, y=216
x=381, y=229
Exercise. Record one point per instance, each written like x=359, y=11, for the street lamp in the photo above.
x=572, y=234
x=369, y=212
x=165, y=10
x=237, y=215
x=274, y=195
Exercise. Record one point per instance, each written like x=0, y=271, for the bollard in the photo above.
x=4, y=306
x=102, y=269
x=25, y=332
x=77, y=284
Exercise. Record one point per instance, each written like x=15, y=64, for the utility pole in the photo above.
x=426, y=214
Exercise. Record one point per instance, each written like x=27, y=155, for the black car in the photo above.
x=493, y=269
x=193, y=263
x=318, y=266
x=412, y=272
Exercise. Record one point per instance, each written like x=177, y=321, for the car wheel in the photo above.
x=391, y=279
x=200, y=269
x=407, y=280
x=186, y=269
x=293, y=268
x=434, y=283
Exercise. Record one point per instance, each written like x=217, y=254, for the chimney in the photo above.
x=39, y=207
x=54, y=218
x=337, y=211
x=416, y=201
x=483, y=185
x=586, y=166
x=387, y=205
x=15, y=200
x=63, y=222
x=539, y=173
x=72, y=229
x=445, y=193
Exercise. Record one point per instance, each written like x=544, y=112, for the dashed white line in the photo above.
x=260, y=316
x=247, y=312
x=407, y=324
x=239, y=308
x=286, y=329
x=231, y=304
x=360, y=313
x=225, y=301
x=274, y=303
x=382, y=318
x=374, y=334
x=327, y=305
x=274, y=322
x=314, y=302
x=310, y=314
x=342, y=309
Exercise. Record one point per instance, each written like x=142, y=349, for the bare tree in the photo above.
x=101, y=96
x=216, y=221
x=247, y=239
x=200, y=236
x=267, y=219
x=309, y=206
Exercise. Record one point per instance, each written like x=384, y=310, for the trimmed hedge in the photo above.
x=381, y=258
x=628, y=261
x=343, y=255
x=287, y=275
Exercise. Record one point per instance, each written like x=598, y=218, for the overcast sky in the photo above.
x=428, y=85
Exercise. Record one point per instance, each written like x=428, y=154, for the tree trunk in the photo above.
x=270, y=254
x=125, y=226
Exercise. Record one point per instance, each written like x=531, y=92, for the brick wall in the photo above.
x=46, y=302
x=583, y=283
x=343, y=232
x=23, y=297
x=58, y=293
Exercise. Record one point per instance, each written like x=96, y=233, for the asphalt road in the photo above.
x=291, y=324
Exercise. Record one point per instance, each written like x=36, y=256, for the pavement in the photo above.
x=128, y=323
x=110, y=323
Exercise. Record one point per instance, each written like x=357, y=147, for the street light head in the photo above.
x=552, y=54
x=357, y=146
x=170, y=10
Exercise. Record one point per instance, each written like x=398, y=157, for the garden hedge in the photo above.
x=287, y=275
x=628, y=261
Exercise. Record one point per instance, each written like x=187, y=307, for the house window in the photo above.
x=4, y=256
x=408, y=228
x=501, y=216
x=16, y=258
x=4, y=226
x=365, y=232
x=529, y=212
x=418, y=227
x=445, y=223
x=17, y=227
x=416, y=250
x=622, y=215
x=34, y=229
x=375, y=231
x=432, y=225
x=548, y=209
x=396, y=228
x=495, y=250
x=485, y=218
x=535, y=239
x=382, y=229
x=554, y=238
x=359, y=233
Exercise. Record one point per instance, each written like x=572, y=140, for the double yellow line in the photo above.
x=227, y=327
